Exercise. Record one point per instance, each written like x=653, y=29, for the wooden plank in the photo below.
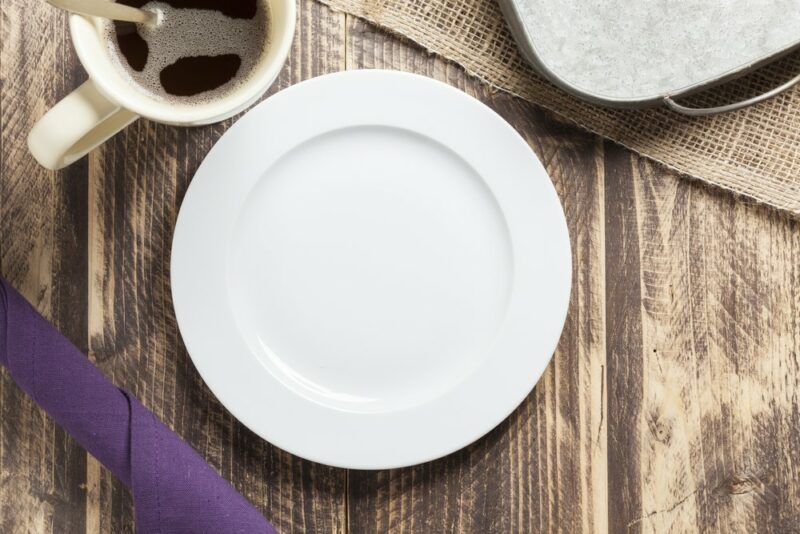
x=137, y=182
x=544, y=469
x=42, y=252
x=624, y=342
x=706, y=416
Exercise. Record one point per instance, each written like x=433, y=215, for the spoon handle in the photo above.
x=106, y=9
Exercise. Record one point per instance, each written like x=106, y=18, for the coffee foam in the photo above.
x=194, y=32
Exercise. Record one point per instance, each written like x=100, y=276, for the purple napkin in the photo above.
x=174, y=489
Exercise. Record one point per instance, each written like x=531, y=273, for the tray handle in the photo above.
x=702, y=112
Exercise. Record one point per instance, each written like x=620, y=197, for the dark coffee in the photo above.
x=201, y=49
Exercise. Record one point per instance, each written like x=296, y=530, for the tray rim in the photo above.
x=525, y=44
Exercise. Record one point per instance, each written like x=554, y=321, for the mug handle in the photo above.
x=83, y=120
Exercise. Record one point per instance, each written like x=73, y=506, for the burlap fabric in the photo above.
x=754, y=152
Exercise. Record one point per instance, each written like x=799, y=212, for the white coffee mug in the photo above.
x=108, y=102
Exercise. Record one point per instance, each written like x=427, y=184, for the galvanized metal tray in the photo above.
x=643, y=53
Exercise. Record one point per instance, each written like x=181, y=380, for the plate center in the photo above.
x=370, y=269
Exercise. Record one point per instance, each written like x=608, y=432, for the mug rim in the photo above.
x=143, y=106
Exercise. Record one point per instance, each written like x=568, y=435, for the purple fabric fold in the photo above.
x=174, y=489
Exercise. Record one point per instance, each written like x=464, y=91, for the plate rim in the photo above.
x=238, y=406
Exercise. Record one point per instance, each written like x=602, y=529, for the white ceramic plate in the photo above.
x=371, y=269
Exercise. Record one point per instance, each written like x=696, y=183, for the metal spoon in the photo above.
x=108, y=10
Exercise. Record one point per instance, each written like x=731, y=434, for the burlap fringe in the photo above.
x=753, y=152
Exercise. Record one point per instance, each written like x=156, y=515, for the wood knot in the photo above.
x=748, y=484
x=660, y=428
x=741, y=484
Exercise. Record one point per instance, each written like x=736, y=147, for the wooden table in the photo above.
x=671, y=404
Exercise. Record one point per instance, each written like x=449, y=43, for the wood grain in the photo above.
x=42, y=252
x=670, y=405
x=707, y=315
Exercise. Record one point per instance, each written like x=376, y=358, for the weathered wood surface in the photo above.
x=671, y=404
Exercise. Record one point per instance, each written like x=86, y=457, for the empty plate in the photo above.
x=371, y=269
